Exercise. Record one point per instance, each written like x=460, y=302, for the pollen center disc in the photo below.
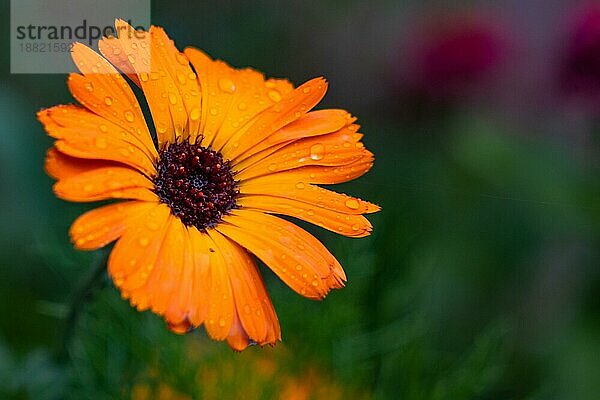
x=196, y=183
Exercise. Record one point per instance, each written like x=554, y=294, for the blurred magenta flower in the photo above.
x=580, y=67
x=450, y=54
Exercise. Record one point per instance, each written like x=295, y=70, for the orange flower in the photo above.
x=230, y=149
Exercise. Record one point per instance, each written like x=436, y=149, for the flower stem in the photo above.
x=84, y=293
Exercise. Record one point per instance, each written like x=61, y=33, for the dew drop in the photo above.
x=300, y=185
x=89, y=86
x=129, y=116
x=144, y=241
x=131, y=58
x=306, y=89
x=274, y=95
x=181, y=78
x=226, y=85
x=172, y=98
x=144, y=77
x=242, y=106
x=272, y=167
x=108, y=101
x=195, y=114
x=103, y=128
x=316, y=151
x=221, y=322
x=352, y=204
x=214, y=111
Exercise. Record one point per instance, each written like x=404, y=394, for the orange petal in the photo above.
x=237, y=338
x=345, y=224
x=59, y=165
x=221, y=302
x=315, y=123
x=299, y=259
x=134, y=255
x=333, y=149
x=180, y=305
x=249, y=299
x=326, y=175
x=112, y=48
x=64, y=121
x=307, y=193
x=165, y=280
x=105, y=183
x=82, y=134
x=102, y=90
x=166, y=78
x=291, y=107
x=231, y=97
x=201, y=284
x=100, y=226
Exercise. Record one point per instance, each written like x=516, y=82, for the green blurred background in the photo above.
x=481, y=278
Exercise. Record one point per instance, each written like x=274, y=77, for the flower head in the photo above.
x=226, y=150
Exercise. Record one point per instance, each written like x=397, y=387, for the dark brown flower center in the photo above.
x=196, y=183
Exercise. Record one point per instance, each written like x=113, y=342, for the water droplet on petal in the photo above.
x=195, y=114
x=172, y=98
x=353, y=204
x=272, y=167
x=108, y=100
x=144, y=77
x=129, y=116
x=221, y=322
x=242, y=106
x=274, y=95
x=131, y=58
x=144, y=241
x=300, y=185
x=103, y=128
x=316, y=151
x=226, y=85
x=214, y=111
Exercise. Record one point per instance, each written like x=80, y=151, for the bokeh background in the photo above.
x=481, y=279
